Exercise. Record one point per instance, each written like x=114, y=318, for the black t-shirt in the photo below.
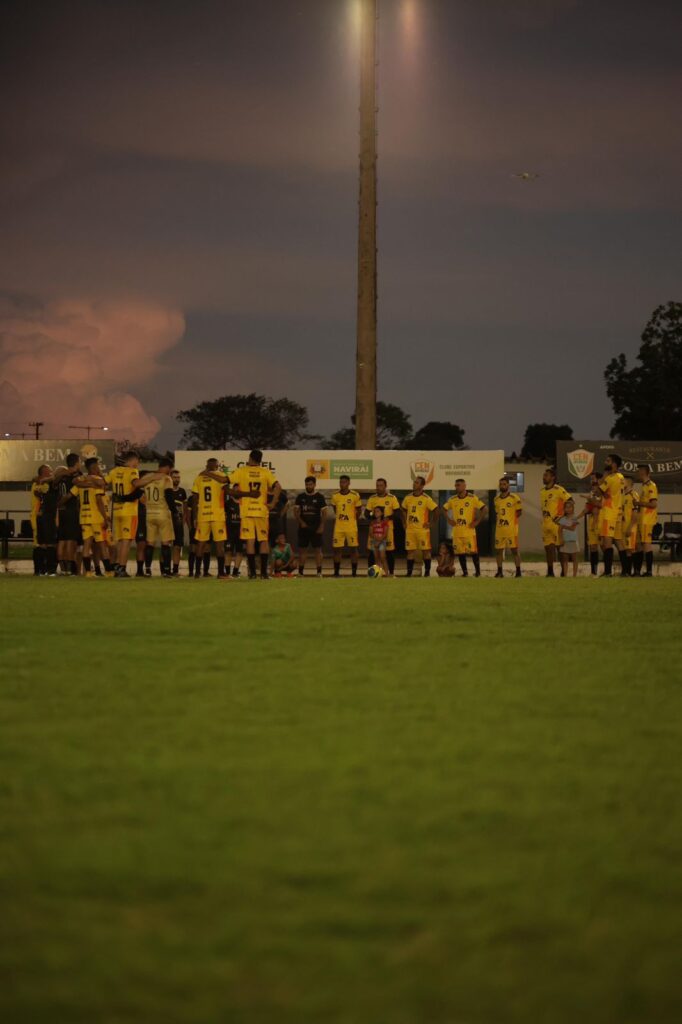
x=48, y=501
x=179, y=497
x=232, y=512
x=63, y=488
x=310, y=506
x=277, y=511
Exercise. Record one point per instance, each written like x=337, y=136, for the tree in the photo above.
x=540, y=439
x=244, y=421
x=438, y=436
x=394, y=430
x=647, y=399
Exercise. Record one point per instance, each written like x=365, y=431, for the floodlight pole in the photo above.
x=366, y=351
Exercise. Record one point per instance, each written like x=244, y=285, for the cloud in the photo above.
x=73, y=360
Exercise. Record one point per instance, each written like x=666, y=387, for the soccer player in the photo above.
x=235, y=544
x=611, y=486
x=160, y=504
x=347, y=506
x=68, y=525
x=277, y=514
x=126, y=487
x=180, y=499
x=626, y=538
x=310, y=509
x=94, y=517
x=552, y=500
x=208, y=503
x=591, y=513
x=647, y=516
x=251, y=484
x=40, y=489
x=467, y=512
x=382, y=498
x=418, y=514
x=508, y=511
x=144, y=555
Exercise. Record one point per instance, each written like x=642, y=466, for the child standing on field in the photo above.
x=378, y=538
x=570, y=545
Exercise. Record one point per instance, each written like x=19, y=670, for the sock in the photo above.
x=51, y=560
x=165, y=560
x=649, y=558
x=410, y=566
x=300, y=570
x=63, y=564
x=518, y=570
x=207, y=562
x=251, y=559
x=221, y=565
x=608, y=561
x=477, y=564
x=594, y=562
x=319, y=570
x=390, y=558
x=37, y=561
x=264, y=566
x=98, y=569
x=140, y=567
x=627, y=568
x=550, y=569
x=235, y=571
x=87, y=564
x=72, y=567
x=191, y=557
x=637, y=560
x=176, y=568
x=107, y=565
x=427, y=566
x=337, y=568
x=463, y=563
x=148, y=556
x=622, y=555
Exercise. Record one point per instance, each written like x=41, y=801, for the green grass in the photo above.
x=355, y=802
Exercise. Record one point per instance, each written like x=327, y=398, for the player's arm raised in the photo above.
x=276, y=491
x=220, y=478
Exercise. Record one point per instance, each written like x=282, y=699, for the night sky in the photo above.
x=179, y=207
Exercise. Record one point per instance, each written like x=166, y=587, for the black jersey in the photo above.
x=311, y=506
x=232, y=512
x=179, y=497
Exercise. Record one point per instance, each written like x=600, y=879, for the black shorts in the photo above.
x=46, y=529
x=178, y=532
x=69, y=528
x=309, y=537
x=234, y=542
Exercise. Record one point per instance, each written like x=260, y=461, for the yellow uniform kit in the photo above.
x=612, y=487
x=90, y=516
x=418, y=509
x=346, y=523
x=647, y=517
x=210, y=510
x=123, y=481
x=552, y=501
x=507, y=510
x=463, y=511
x=159, y=517
x=253, y=510
x=390, y=504
x=627, y=528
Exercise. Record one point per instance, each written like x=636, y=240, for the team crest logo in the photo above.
x=422, y=467
x=580, y=462
x=318, y=468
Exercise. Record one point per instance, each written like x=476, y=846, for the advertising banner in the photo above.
x=481, y=470
x=19, y=460
x=575, y=460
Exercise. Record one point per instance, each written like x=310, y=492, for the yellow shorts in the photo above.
x=97, y=532
x=592, y=531
x=550, y=532
x=417, y=539
x=254, y=528
x=645, y=532
x=464, y=542
x=212, y=528
x=125, y=527
x=505, y=538
x=345, y=535
x=160, y=527
x=609, y=523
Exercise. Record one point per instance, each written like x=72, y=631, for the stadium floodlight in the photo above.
x=87, y=426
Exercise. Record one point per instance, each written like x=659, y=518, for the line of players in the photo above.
x=71, y=508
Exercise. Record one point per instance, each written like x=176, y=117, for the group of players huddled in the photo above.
x=85, y=521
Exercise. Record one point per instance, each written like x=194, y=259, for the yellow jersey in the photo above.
x=89, y=513
x=464, y=510
x=507, y=509
x=210, y=500
x=630, y=498
x=388, y=502
x=648, y=492
x=613, y=488
x=345, y=506
x=259, y=479
x=552, y=501
x=155, y=495
x=123, y=480
x=418, y=508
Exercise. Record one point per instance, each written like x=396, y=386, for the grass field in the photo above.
x=355, y=802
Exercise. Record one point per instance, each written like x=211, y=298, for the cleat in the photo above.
x=499, y=574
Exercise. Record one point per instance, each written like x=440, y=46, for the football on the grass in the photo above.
x=375, y=571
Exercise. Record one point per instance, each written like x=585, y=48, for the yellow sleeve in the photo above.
x=431, y=505
x=395, y=504
x=196, y=485
x=357, y=502
x=404, y=504
x=74, y=490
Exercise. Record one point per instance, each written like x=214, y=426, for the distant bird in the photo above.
x=526, y=175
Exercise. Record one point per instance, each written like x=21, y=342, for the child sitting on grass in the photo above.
x=446, y=559
x=282, y=558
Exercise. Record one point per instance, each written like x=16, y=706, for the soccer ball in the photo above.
x=375, y=571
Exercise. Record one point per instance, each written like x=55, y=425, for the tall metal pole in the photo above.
x=366, y=355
